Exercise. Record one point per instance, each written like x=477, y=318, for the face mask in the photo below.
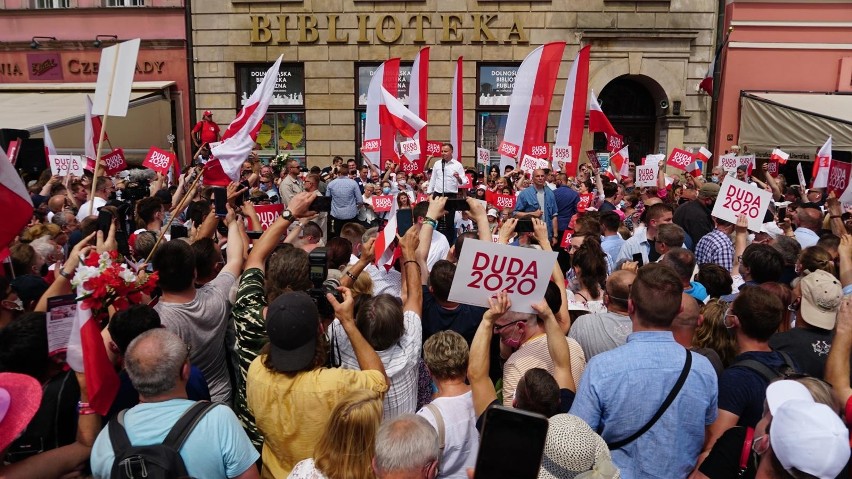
x=621, y=205
x=14, y=305
x=714, y=179
x=385, y=190
x=264, y=187
x=513, y=343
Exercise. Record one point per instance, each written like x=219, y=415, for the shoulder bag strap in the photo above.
x=187, y=422
x=669, y=399
x=768, y=373
x=439, y=420
x=118, y=435
x=746, y=452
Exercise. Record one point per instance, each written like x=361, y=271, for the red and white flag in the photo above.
x=704, y=155
x=457, y=111
x=620, y=163
x=90, y=140
x=693, y=167
x=14, y=202
x=393, y=112
x=239, y=138
x=780, y=156
x=822, y=165
x=529, y=104
x=569, y=134
x=385, y=77
x=49, y=148
x=86, y=353
x=597, y=120
x=382, y=249
x=418, y=95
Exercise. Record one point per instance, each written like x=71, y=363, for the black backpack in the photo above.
x=769, y=374
x=155, y=461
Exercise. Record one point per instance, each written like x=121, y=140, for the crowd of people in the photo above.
x=669, y=343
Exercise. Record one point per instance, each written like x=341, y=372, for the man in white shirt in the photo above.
x=103, y=188
x=447, y=176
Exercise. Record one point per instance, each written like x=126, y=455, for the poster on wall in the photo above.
x=365, y=74
x=495, y=84
x=289, y=89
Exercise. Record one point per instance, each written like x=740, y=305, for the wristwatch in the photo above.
x=287, y=215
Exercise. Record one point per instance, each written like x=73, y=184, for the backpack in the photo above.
x=765, y=371
x=154, y=461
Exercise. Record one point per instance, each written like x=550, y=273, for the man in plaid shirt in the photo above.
x=716, y=246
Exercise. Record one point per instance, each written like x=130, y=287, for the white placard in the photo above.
x=485, y=269
x=63, y=165
x=411, y=149
x=120, y=59
x=728, y=162
x=738, y=197
x=529, y=163
x=646, y=175
x=483, y=156
x=654, y=159
x=801, y=175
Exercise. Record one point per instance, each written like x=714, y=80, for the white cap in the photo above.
x=780, y=392
x=492, y=212
x=809, y=437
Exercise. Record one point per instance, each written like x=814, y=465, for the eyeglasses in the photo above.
x=501, y=327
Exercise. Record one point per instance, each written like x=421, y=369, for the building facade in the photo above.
x=647, y=58
x=786, y=79
x=49, y=61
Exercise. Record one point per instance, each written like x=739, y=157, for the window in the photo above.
x=365, y=73
x=52, y=4
x=283, y=129
x=124, y=3
x=494, y=89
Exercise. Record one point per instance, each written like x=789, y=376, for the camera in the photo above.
x=317, y=272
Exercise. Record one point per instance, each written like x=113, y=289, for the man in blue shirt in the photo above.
x=566, y=207
x=538, y=201
x=345, y=200
x=622, y=389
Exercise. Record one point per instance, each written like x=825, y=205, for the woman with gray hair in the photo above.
x=407, y=446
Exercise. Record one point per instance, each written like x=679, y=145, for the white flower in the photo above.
x=84, y=273
x=127, y=275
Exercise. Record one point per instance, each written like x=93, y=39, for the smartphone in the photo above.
x=320, y=204
x=781, y=209
x=525, y=225
x=511, y=444
x=637, y=257
x=254, y=234
x=220, y=200
x=404, y=221
x=179, y=231
x=104, y=221
x=457, y=204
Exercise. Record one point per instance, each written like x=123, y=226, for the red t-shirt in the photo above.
x=209, y=131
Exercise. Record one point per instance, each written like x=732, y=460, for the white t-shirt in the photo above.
x=83, y=213
x=439, y=248
x=461, y=439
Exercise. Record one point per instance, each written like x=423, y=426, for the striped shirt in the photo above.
x=534, y=354
x=400, y=361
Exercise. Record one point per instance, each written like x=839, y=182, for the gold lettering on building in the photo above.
x=387, y=29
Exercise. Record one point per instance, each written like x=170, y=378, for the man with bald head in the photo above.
x=54, y=205
x=808, y=221
x=599, y=332
x=684, y=326
x=538, y=201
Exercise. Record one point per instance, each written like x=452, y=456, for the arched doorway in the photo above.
x=632, y=109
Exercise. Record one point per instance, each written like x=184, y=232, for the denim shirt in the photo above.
x=622, y=389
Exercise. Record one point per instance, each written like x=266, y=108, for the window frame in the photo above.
x=486, y=110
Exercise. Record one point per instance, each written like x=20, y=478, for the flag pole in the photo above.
x=189, y=194
x=101, y=139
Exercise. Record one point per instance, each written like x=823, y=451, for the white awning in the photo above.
x=798, y=123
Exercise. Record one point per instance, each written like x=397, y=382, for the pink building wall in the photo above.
x=786, y=65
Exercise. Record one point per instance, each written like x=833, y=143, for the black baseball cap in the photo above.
x=292, y=324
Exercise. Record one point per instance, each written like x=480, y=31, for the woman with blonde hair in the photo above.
x=713, y=334
x=345, y=450
x=815, y=258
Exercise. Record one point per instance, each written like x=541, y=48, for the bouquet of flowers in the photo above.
x=279, y=162
x=103, y=280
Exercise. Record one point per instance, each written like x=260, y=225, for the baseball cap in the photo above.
x=20, y=398
x=821, y=295
x=572, y=448
x=492, y=212
x=292, y=324
x=809, y=437
x=709, y=190
x=780, y=392
x=207, y=113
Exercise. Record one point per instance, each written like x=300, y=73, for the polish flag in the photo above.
x=780, y=156
x=457, y=111
x=239, y=138
x=86, y=353
x=49, y=148
x=569, y=134
x=703, y=155
x=529, y=104
x=385, y=77
x=694, y=168
x=14, y=202
x=393, y=112
x=597, y=120
x=822, y=165
x=418, y=95
x=620, y=163
x=384, y=251
x=90, y=140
